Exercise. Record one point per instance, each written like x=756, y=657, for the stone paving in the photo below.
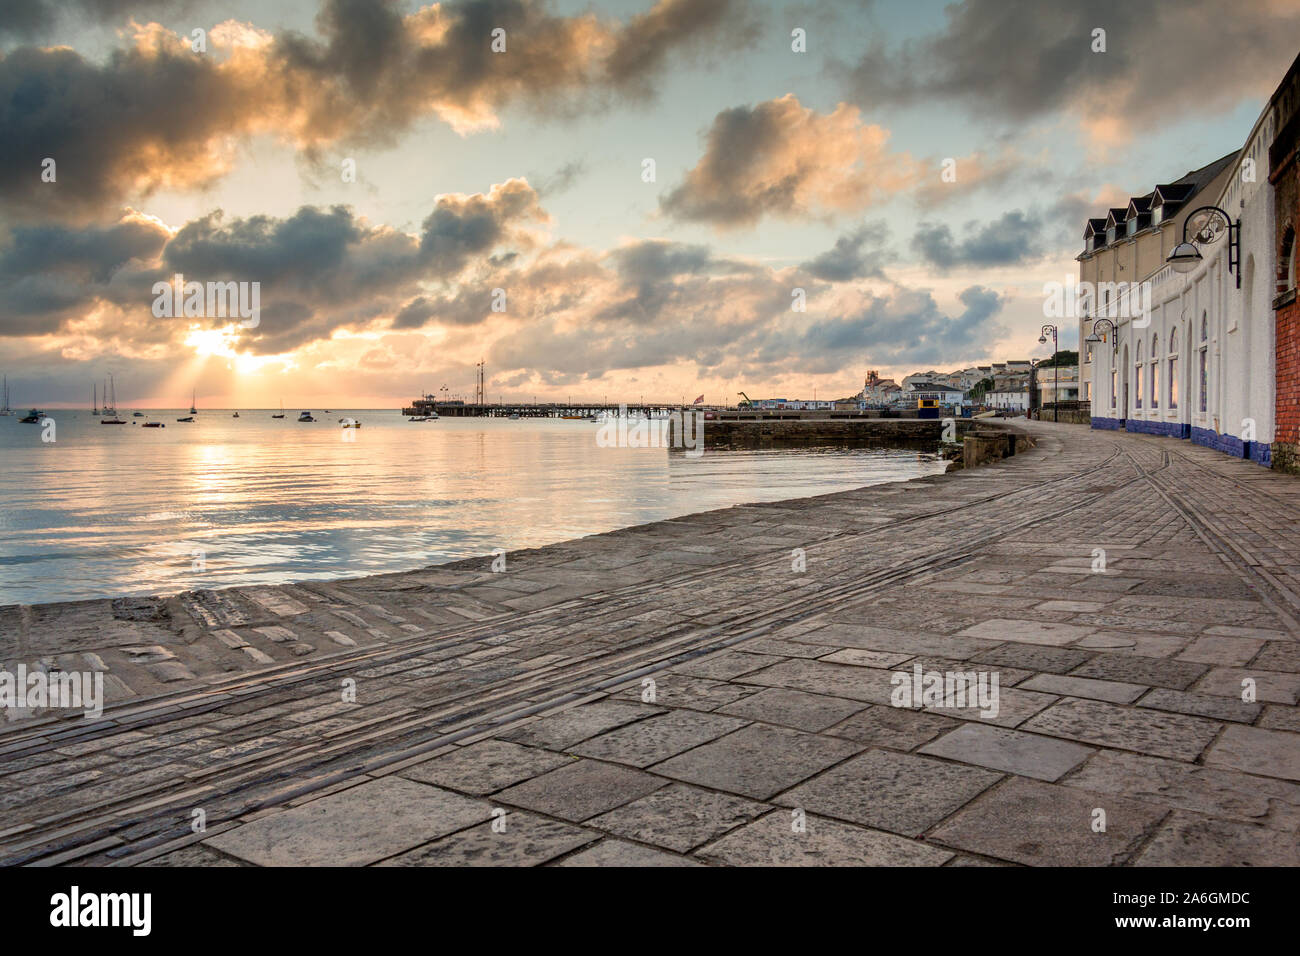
x=681, y=694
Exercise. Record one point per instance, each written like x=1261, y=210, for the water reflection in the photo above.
x=108, y=511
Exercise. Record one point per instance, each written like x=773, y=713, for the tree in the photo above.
x=1063, y=358
x=982, y=388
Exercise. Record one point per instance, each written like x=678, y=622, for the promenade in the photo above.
x=700, y=692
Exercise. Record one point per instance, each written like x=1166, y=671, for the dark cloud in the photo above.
x=35, y=19
x=1013, y=238
x=318, y=269
x=51, y=274
x=857, y=255
x=1022, y=58
x=157, y=115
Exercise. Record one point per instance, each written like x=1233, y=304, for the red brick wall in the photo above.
x=1286, y=443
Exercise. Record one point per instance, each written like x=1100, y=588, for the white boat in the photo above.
x=109, y=411
x=306, y=417
x=5, y=410
x=349, y=423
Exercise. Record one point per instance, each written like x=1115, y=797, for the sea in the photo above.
x=92, y=511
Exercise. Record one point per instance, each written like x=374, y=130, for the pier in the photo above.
x=677, y=693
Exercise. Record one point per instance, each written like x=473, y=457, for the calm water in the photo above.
x=110, y=510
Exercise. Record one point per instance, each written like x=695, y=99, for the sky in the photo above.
x=601, y=201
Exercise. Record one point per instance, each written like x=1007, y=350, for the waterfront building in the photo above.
x=1196, y=359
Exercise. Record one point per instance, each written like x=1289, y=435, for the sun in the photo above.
x=207, y=342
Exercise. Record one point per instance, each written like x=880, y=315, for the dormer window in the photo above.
x=1133, y=226
x=1156, y=216
x=1110, y=234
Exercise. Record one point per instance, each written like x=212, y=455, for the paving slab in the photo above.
x=775, y=840
x=516, y=839
x=1044, y=824
x=1027, y=632
x=793, y=708
x=360, y=825
x=999, y=748
x=679, y=817
x=1068, y=686
x=566, y=728
x=1189, y=839
x=581, y=790
x=1269, y=753
x=901, y=793
x=1215, y=791
x=757, y=761
x=1125, y=728
x=657, y=738
x=894, y=728
x=485, y=767
x=611, y=852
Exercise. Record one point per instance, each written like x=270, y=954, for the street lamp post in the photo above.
x=1056, y=369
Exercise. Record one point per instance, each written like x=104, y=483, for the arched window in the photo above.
x=1173, y=367
x=1155, y=370
x=1203, y=361
x=1137, y=376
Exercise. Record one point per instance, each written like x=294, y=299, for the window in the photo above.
x=1137, y=378
x=1089, y=359
x=1112, y=387
x=1156, y=214
x=1155, y=371
x=1173, y=367
x=1203, y=358
x=1110, y=234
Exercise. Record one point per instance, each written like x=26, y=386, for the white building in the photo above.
x=1013, y=398
x=1199, y=364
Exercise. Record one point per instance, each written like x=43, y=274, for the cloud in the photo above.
x=1012, y=238
x=319, y=269
x=32, y=19
x=177, y=117
x=857, y=255
x=782, y=159
x=1023, y=59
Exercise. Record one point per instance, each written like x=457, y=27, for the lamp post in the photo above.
x=1211, y=223
x=1056, y=369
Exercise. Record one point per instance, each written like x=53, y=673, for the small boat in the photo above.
x=5, y=410
x=194, y=410
x=236, y=415
x=187, y=418
x=137, y=414
x=33, y=417
x=306, y=417
x=514, y=416
x=349, y=423
x=574, y=418
x=154, y=425
x=419, y=418
x=281, y=415
x=110, y=404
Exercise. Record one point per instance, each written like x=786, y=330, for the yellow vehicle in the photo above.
x=927, y=408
